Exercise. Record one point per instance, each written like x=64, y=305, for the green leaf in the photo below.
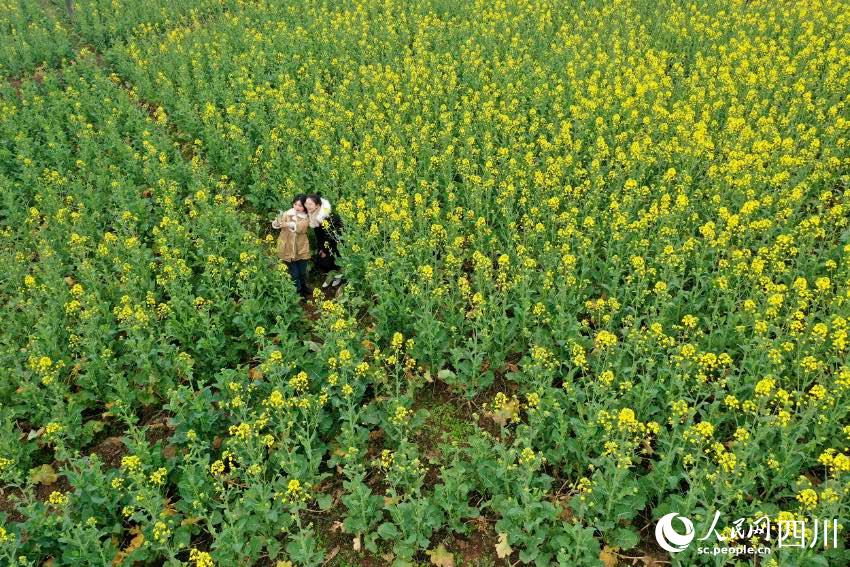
x=446, y=375
x=623, y=538
x=324, y=501
x=183, y=536
x=388, y=531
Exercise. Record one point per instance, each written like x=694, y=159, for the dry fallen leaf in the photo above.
x=333, y=552
x=563, y=502
x=441, y=557
x=169, y=509
x=650, y=560
x=504, y=414
x=45, y=474
x=134, y=544
x=502, y=548
x=607, y=557
x=356, y=543
x=34, y=433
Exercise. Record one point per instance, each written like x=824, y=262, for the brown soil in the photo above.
x=158, y=430
x=110, y=451
x=340, y=545
x=42, y=492
x=477, y=548
x=9, y=504
x=16, y=84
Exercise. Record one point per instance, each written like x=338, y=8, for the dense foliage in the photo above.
x=597, y=259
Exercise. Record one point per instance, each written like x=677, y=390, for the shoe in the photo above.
x=325, y=284
x=336, y=282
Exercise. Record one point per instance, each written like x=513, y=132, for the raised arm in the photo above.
x=301, y=225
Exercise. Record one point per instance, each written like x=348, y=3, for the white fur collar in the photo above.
x=293, y=213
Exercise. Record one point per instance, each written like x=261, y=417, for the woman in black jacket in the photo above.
x=326, y=226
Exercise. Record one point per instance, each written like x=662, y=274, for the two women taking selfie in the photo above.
x=293, y=243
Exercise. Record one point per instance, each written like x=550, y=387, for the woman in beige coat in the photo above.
x=293, y=244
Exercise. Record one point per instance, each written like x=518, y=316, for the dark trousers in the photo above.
x=326, y=263
x=298, y=271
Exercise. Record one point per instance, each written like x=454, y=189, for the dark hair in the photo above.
x=315, y=197
x=298, y=199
